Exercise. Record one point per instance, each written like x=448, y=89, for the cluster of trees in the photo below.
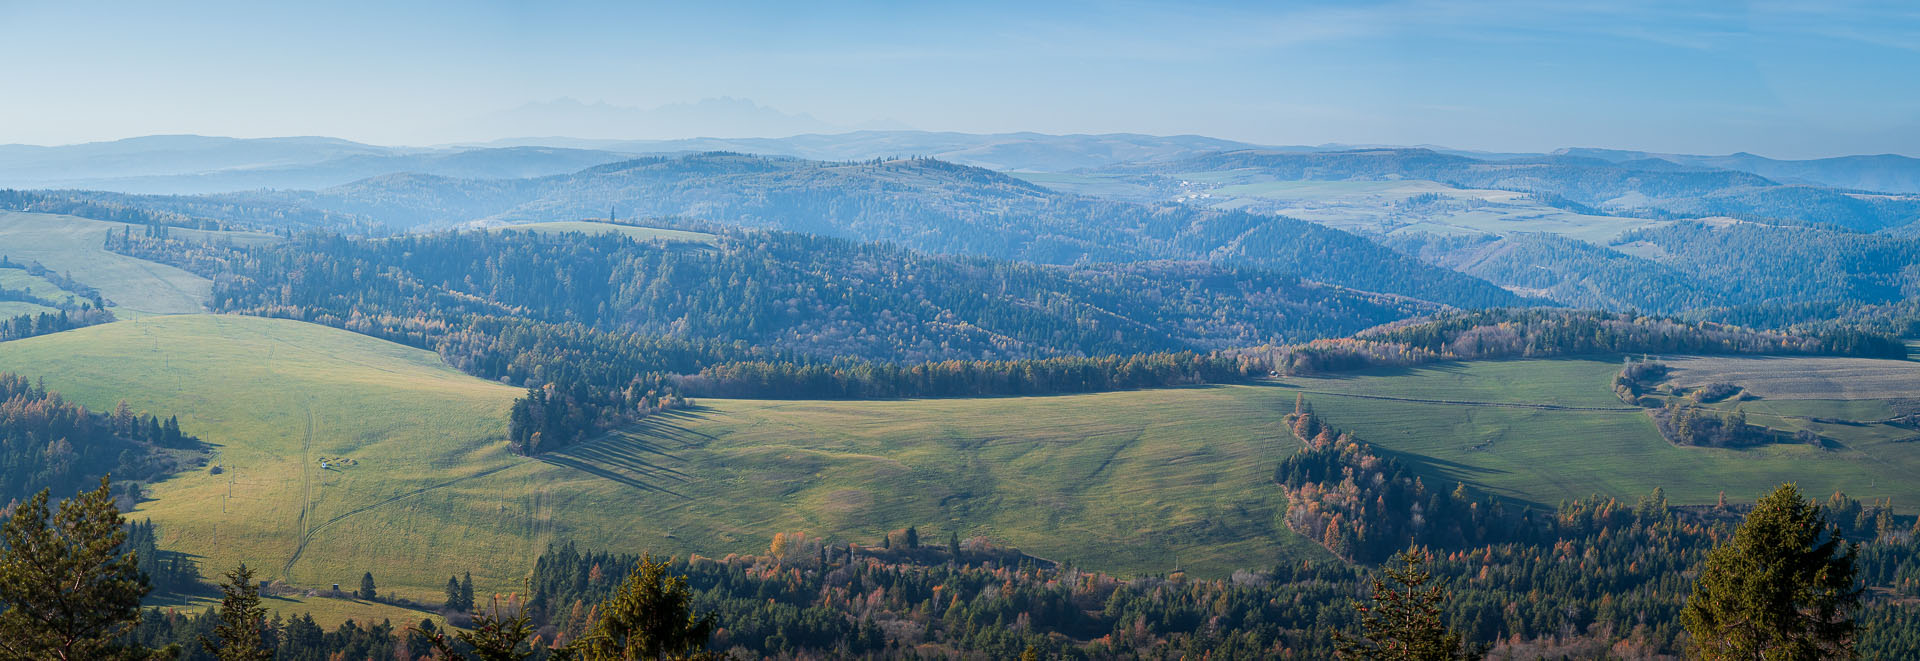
x=34, y=325
x=1684, y=424
x=1637, y=378
x=166, y=571
x=800, y=294
x=1759, y=266
x=99, y=206
x=46, y=441
x=1614, y=580
x=1596, y=578
x=1364, y=507
x=1517, y=333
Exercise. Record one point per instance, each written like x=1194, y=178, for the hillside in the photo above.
x=823, y=298
x=76, y=247
x=921, y=204
x=1647, y=187
x=431, y=486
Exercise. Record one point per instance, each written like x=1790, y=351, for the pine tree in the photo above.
x=367, y=591
x=1404, y=624
x=241, y=619
x=70, y=591
x=453, y=595
x=466, y=591
x=1783, y=587
x=650, y=617
x=502, y=633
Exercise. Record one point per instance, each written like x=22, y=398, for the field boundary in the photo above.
x=1456, y=402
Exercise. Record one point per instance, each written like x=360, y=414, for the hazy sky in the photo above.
x=1780, y=79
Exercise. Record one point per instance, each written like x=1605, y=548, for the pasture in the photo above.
x=1544, y=430
x=74, y=246
x=419, y=482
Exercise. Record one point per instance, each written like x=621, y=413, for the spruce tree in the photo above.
x=241, y=621
x=453, y=594
x=367, y=590
x=502, y=633
x=1783, y=587
x=466, y=591
x=1403, y=623
x=650, y=617
x=71, y=593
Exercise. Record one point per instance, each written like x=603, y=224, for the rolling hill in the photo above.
x=75, y=246
x=921, y=204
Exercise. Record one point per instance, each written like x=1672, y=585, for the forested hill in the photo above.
x=791, y=293
x=1651, y=187
x=918, y=203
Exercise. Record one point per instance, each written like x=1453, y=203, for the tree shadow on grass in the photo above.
x=640, y=455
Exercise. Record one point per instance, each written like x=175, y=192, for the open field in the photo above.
x=74, y=246
x=1129, y=482
x=1180, y=479
x=1803, y=378
x=17, y=308
x=590, y=227
x=1540, y=430
x=40, y=287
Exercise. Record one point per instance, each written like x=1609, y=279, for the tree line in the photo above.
x=46, y=441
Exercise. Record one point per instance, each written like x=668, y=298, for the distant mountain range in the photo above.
x=1887, y=173
x=187, y=164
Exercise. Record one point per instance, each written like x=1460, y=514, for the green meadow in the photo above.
x=418, y=483
x=75, y=246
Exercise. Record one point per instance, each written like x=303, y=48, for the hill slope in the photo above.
x=921, y=204
x=75, y=246
x=1139, y=481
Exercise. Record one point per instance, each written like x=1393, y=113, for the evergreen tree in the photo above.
x=71, y=594
x=650, y=617
x=241, y=621
x=453, y=595
x=1783, y=587
x=1404, y=624
x=503, y=633
x=913, y=537
x=366, y=587
x=466, y=591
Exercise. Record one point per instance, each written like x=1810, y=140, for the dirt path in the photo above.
x=308, y=537
x=306, y=496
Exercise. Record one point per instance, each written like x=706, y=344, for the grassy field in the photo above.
x=1543, y=430
x=1178, y=480
x=74, y=246
x=1129, y=482
x=17, y=308
x=1803, y=378
x=590, y=227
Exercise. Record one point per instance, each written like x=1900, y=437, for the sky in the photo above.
x=1783, y=79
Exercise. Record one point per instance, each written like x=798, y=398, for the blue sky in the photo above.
x=1789, y=79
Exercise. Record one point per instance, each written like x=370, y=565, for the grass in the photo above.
x=1180, y=480
x=592, y=227
x=1131, y=482
x=1544, y=455
x=74, y=246
x=10, y=309
x=1803, y=378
